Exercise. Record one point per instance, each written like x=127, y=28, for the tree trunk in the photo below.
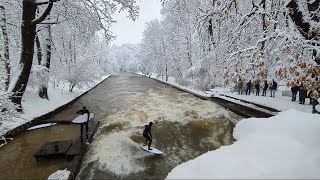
x=43, y=91
x=71, y=86
x=264, y=24
x=6, y=57
x=39, y=50
x=167, y=75
x=28, y=32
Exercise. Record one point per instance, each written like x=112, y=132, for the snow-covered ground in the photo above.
x=283, y=146
x=34, y=106
x=279, y=102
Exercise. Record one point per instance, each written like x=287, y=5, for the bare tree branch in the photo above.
x=44, y=15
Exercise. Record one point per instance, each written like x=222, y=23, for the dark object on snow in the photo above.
x=265, y=88
x=273, y=88
x=249, y=86
x=302, y=95
x=294, y=91
x=257, y=86
x=314, y=104
x=240, y=86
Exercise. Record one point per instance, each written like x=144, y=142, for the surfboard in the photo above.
x=41, y=126
x=154, y=150
x=82, y=118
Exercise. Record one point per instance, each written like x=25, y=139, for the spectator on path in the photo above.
x=294, y=90
x=265, y=88
x=249, y=86
x=273, y=88
x=240, y=87
x=309, y=96
x=302, y=94
x=84, y=110
x=315, y=102
x=257, y=86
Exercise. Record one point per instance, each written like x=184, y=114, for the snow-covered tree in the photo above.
x=84, y=18
x=236, y=40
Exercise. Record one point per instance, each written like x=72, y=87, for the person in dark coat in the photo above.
x=309, y=96
x=147, y=134
x=302, y=95
x=240, y=87
x=294, y=90
x=273, y=88
x=265, y=88
x=84, y=110
x=249, y=86
x=314, y=104
x=257, y=87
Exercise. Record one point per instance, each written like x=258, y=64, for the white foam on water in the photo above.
x=140, y=114
x=60, y=174
x=117, y=153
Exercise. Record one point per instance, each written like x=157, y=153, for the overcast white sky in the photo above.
x=128, y=31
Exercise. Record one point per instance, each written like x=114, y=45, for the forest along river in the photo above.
x=184, y=127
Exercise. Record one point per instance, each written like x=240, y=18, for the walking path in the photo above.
x=279, y=102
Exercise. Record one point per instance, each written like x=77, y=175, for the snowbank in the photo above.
x=60, y=174
x=282, y=146
x=34, y=106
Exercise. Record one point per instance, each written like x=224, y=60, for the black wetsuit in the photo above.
x=147, y=134
x=84, y=111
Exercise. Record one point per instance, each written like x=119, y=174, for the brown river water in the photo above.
x=184, y=127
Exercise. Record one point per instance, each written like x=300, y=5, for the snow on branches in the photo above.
x=7, y=110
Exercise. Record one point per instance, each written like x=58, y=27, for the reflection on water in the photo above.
x=184, y=128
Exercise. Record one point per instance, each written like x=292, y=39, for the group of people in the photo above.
x=272, y=86
x=303, y=93
x=257, y=86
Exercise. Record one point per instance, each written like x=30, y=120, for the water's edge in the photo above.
x=239, y=109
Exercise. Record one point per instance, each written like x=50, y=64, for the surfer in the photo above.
x=84, y=110
x=147, y=134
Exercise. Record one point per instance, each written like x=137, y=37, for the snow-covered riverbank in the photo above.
x=282, y=146
x=34, y=106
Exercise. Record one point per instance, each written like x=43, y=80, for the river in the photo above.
x=184, y=127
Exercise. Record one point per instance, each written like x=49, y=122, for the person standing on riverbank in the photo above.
x=294, y=90
x=257, y=87
x=83, y=111
x=273, y=88
x=265, y=88
x=240, y=87
x=302, y=94
x=249, y=86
